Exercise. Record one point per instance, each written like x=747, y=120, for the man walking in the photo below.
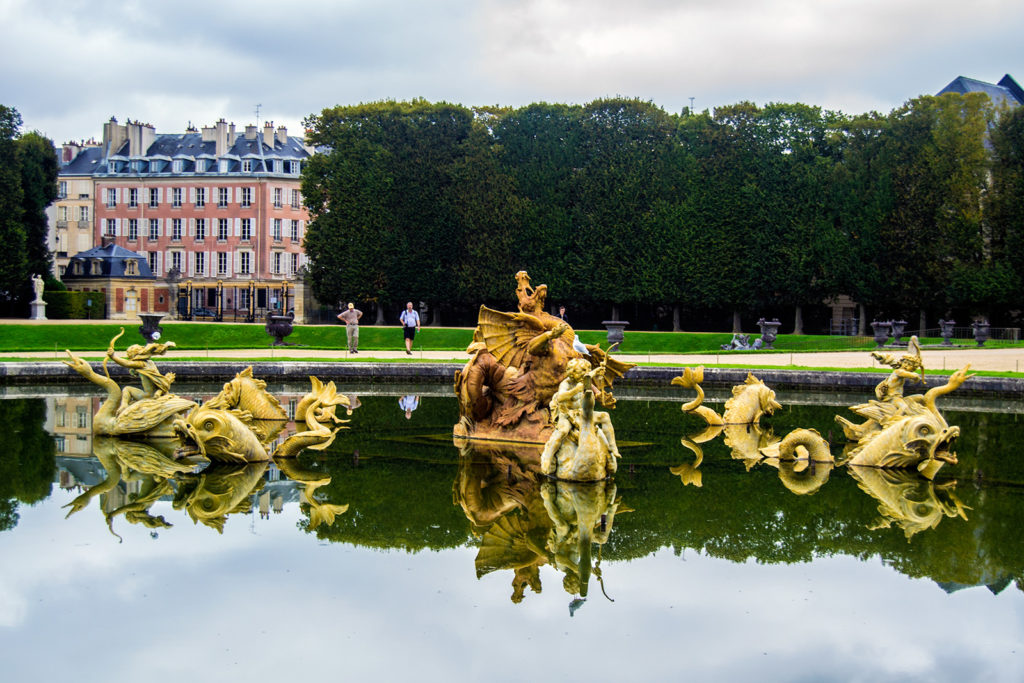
x=410, y=323
x=351, y=319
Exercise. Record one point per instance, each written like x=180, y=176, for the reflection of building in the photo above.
x=70, y=421
x=222, y=210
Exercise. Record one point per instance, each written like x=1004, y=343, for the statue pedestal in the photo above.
x=38, y=310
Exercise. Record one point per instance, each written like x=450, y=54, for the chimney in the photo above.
x=141, y=137
x=282, y=135
x=114, y=136
x=231, y=135
x=250, y=132
x=69, y=151
x=221, y=138
x=268, y=134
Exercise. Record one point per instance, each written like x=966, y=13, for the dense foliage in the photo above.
x=28, y=184
x=692, y=219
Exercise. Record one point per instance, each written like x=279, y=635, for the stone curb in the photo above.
x=444, y=373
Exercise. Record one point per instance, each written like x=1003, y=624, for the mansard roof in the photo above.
x=112, y=260
x=87, y=162
x=1006, y=91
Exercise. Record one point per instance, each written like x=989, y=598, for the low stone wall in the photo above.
x=444, y=373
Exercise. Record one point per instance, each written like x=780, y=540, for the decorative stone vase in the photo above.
x=981, y=331
x=150, y=329
x=946, y=330
x=881, y=330
x=897, y=332
x=279, y=327
x=615, y=330
x=769, y=331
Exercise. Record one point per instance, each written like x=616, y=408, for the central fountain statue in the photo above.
x=517, y=363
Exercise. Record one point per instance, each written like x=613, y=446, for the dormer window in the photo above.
x=223, y=165
x=78, y=268
x=178, y=165
x=130, y=267
x=200, y=165
x=247, y=166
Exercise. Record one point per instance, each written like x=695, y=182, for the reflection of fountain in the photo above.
x=913, y=503
x=525, y=523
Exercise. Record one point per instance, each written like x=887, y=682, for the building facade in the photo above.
x=216, y=214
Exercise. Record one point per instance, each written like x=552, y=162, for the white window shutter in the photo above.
x=190, y=264
x=238, y=195
x=207, y=265
x=159, y=227
x=117, y=227
x=160, y=195
x=238, y=227
x=191, y=227
x=192, y=195
x=159, y=264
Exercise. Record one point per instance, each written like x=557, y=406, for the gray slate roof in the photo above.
x=112, y=259
x=1006, y=91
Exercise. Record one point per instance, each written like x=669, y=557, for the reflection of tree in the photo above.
x=27, y=463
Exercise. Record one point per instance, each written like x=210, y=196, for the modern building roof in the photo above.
x=108, y=261
x=1006, y=91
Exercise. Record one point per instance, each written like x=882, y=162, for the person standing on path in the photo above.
x=351, y=319
x=410, y=320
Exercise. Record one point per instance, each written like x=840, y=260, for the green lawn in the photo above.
x=202, y=336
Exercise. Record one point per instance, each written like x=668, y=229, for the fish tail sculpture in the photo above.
x=691, y=379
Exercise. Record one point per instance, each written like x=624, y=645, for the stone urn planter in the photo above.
x=150, y=329
x=981, y=331
x=946, y=330
x=881, y=330
x=897, y=331
x=279, y=327
x=616, y=330
x=769, y=332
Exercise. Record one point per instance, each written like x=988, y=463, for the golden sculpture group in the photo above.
x=531, y=380
x=146, y=432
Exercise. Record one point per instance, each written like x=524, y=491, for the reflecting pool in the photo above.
x=396, y=555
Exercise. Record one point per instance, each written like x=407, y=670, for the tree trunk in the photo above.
x=920, y=323
x=798, y=320
x=736, y=327
x=862, y=321
x=436, y=318
x=379, y=317
x=676, y=327
x=615, y=311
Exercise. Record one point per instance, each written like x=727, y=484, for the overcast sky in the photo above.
x=69, y=65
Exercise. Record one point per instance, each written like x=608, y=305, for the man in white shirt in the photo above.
x=410, y=322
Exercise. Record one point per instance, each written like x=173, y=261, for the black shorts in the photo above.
x=410, y=332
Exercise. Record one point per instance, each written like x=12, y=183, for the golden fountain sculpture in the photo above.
x=238, y=425
x=904, y=432
x=512, y=388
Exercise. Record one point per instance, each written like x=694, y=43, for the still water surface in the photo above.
x=444, y=567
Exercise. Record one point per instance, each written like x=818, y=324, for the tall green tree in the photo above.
x=13, y=267
x=37, y=163
x=1004, y=207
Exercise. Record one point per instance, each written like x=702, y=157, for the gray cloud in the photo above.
x=71, y=65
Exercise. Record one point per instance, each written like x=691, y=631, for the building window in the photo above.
x=130, y=268
x=178, y=165
x=111, y=227
x=62, y=213
x=246, y=197
x=200, y=165
x=222, y=263
x=176, y=260
x=277, y=197
x=81, y=419
x=111, y=197
x=176, y=229
x=222, y=197
x=295, y=199
x=133, y=197
x=176, y=197
x=276, y=230
x=200, y=197
x=154, y=197
x=295, y=231
x=154, y=228
x=244, y=262
x=247, y=166
x=83, y=213
x=153, y=257
x=246, y=229
x=200, y=263
x=275, y=263
x=133, y=229
x=222, y=229
x=291, y=167
x=200, y=229
x=62, y=193
x=295, y=263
